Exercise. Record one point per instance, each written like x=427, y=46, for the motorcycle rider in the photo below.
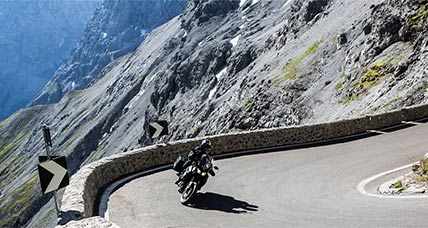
x=194, y=156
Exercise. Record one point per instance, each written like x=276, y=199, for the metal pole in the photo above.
x=47, y=152
x=58, y=212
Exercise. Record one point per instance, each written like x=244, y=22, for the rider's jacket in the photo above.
x=196, y=154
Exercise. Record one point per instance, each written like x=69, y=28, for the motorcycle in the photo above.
x=197, y=174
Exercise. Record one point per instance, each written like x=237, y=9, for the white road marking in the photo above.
x=361, y=186
x=375, y=131
x=411, y=122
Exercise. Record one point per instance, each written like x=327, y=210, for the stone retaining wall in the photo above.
x=80, y=197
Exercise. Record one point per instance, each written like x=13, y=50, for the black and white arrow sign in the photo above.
x=53, y=174
x=158, y=128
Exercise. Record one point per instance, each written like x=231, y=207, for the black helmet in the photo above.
x=205, y=144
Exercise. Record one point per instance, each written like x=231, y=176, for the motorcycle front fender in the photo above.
x=211, y=172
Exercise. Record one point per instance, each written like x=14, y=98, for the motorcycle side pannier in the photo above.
x=178, y=164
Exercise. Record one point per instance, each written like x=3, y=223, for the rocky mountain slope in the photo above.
x=35, y=37
x=224, y=66
x=117, y=28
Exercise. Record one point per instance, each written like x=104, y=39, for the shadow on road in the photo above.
x=218, y=202
x=68, y=216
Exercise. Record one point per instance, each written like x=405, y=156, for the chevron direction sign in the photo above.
x=158, y=128
x=53, y=174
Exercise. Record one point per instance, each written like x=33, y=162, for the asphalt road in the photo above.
x=313, y=187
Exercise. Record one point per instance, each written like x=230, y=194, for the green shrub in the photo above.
x=339, y=86
x=248, y=104
x=398, y=185
x=22, y=199
x=349, y=99
x=422, y=178
x=291, y=68
x=7, y=147
x=372, y=75
x=420, y=16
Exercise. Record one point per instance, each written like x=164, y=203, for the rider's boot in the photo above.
x=181, y=187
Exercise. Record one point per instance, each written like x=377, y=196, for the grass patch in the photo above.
x=376, y=72
x=372, y=75
x=424, y=88
x=6, y=148
x=349, y=99
x=21, y=200
x=291, y=68
x=24, y=194
x=339, y=86
x=397, y=185
x=423, y=178
x=248, y=104
x=420, y=16
x=277, y=81
x=10, y=168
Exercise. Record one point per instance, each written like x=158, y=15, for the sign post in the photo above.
x=53, y=172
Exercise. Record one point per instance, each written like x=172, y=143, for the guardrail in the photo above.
x=81, y=196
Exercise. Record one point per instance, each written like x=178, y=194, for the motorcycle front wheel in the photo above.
x=188, y=192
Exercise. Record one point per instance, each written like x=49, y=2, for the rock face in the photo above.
x=227, y=67
x=35, y=36
x=117, y=28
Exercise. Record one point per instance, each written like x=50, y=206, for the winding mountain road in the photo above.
x=311, y=187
